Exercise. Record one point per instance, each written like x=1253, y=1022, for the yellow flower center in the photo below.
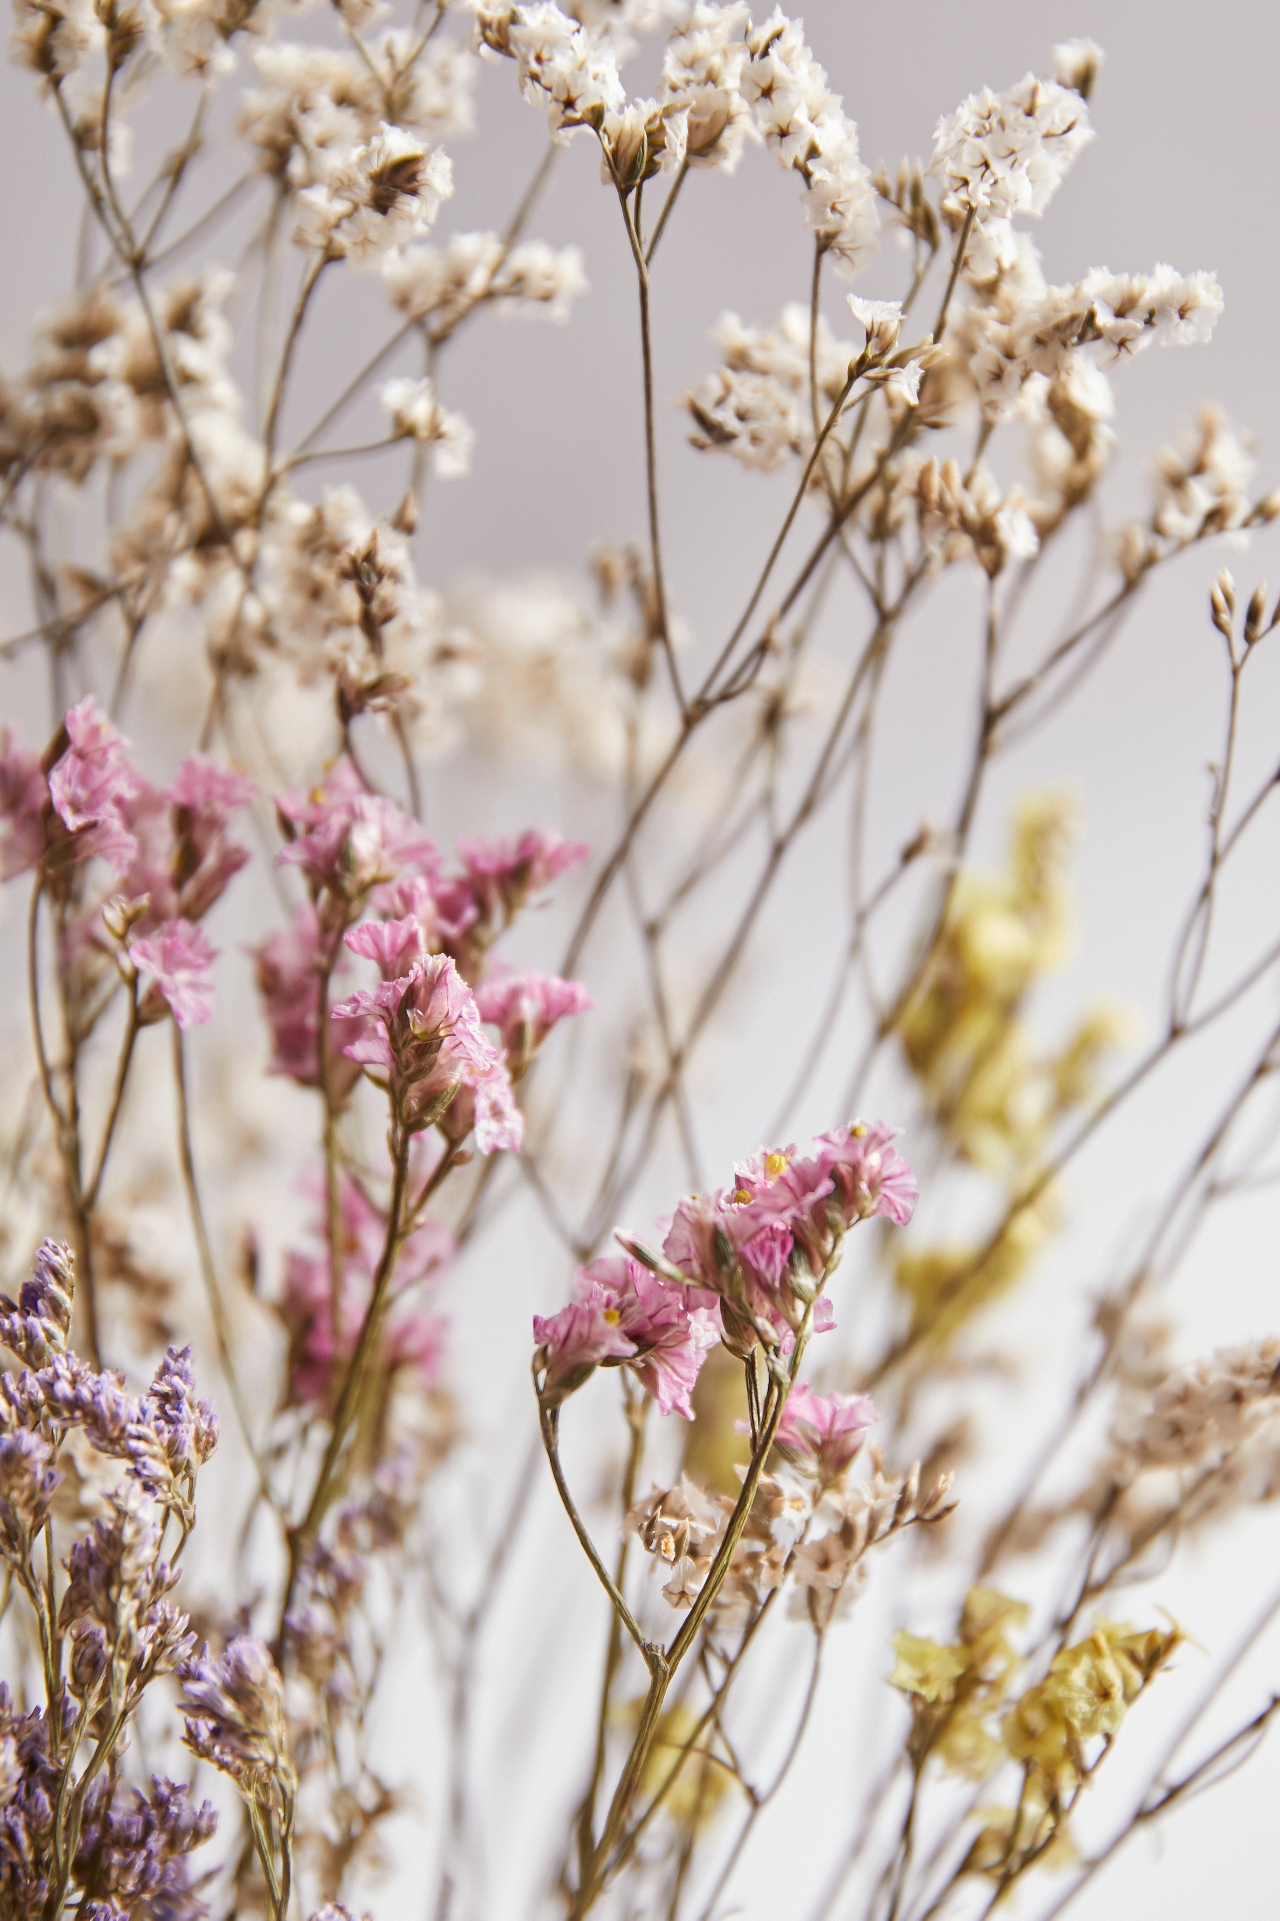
x=774, y=1164
x=612, y=1315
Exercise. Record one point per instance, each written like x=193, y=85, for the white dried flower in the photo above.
x=1076, y=64
x=568, y=69
x=702, y=72
x=537, y=280
x=1202, y=484
x=382, y=194
x=416, y=414
x=882, y=321
x=804, y=123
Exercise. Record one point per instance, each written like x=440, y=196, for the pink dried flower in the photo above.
x=394, y=944
x=573, y=1342
x=24, y=795
x=423, y=1030
x=823, y=1432
x=502, y=874
x=767, y=1245
x=288, y=965
x=526, y=1006
x=178, y=957
x=347, y=840
x=413, y=1337
x=670, y=1327
x=91, y=784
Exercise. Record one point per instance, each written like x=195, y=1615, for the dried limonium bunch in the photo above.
x=407, y=1094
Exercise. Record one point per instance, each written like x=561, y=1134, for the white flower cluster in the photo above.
x=804, y=123
x=416, y=414
x=757, y=405
x=532, y=279
x=315, y=103
x=1014, y=325
x=568, y=69
x=1001, y=154
x=96, y=388
x=969, y=516
x=343, y=604
x=702, y=71
x=374, y=197
x=550, y=689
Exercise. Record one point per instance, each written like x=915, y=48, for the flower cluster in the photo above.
x=768, y=1245
x=804, y=123
x=169, y=848
x=323, y=1333
x=624, y=1315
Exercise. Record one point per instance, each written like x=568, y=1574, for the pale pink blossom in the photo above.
x=394, y=944
x=573, y=1343
x=526, y=1006
x=823, y=1432
x=413, y=1336
x=423, y=1031
x=347, y=840
x=288, y=966
x=179, y=957
x=502, y=874
x=670, y=1327
x=767, y=1244
x=91, y=783
x=24, y=795
x=183, y=858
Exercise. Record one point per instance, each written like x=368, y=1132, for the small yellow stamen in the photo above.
x=859, y=1130
x=612, y=1315
x=775, y=1164
x=740, y=1196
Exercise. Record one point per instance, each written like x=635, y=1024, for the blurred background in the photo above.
x=1185, y=168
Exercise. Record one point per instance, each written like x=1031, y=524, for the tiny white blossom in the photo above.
x=882, y=320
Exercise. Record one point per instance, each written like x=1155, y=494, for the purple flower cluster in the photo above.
x=234, y=1709
x=134, y=1849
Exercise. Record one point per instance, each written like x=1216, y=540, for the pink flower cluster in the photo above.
x=421, y=1026
x=766, y=1245
x=169, y=847
x=821, y=1433
x=622, y=1314
x=422, y=1029
x=321, y=1334
x=524, y=1007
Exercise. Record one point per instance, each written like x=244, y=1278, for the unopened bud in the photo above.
x=120, y=913
x=1254, y=614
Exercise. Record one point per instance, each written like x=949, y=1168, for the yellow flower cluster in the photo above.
x=956, y=1689
x=960, y=1695
x=993, y=1097
x=1084, y=1697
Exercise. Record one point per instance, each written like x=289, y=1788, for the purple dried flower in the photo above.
x=36, y=1326
x=132, y=1850
x=174, y=1433
x=235, y=1712
x=27, y=1481
x=116, y=1606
